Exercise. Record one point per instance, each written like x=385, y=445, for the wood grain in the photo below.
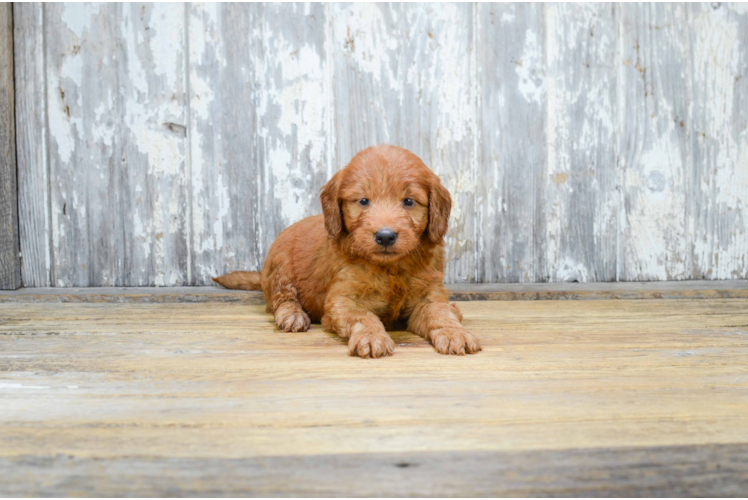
x=226, y=224
x=677, y=471
x=153, y=163
x=10, y=264
x=256, y=167
x=604, y=396
x=116, y=117
x=655, y=152
x=510, y=217
x=580, y=142
x=581, y=178
x=32, y=143
x=719, y=184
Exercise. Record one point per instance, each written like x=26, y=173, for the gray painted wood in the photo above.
x=655, y=146
x=580, y=178
x=510, y=217
x=260, y=127
x=10, y=264
x=85, y=187
x=580, y=142
x=719, y=182
x=31, y=141
x=225, y=184
x=117, y=119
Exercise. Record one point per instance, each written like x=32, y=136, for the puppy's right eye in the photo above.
x=363, y=202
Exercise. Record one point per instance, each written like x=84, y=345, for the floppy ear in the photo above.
x=440, y=205
x=331, y=207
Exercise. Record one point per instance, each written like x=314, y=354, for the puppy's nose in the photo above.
x=385, y=237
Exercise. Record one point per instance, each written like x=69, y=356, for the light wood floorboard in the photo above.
x=622, y=397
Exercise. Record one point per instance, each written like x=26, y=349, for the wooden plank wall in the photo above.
x=163, y=144
x=10, y=263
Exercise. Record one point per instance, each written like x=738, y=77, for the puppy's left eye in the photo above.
x=363, y=202
x=408, y=202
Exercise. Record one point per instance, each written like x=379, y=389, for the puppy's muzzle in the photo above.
x=385, y=237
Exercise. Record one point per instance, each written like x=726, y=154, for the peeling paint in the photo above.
x=530, y=69
x=165, y=31
x=721, y=149
x=78, y=17
x=570, y=271
x=587, y=146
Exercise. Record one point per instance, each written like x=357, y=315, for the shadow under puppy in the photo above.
x=374, y=258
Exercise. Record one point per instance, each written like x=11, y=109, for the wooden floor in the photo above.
x=596, y=397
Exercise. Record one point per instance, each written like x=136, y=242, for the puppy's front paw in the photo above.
x=370, y=344
x=291, y=318
x=454, y=341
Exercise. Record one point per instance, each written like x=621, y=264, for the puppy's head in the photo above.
x=385, y=204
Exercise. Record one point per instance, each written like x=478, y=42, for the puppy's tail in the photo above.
x=240, y=280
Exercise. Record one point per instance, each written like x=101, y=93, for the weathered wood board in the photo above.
x=670, y=471
x=513, y=149
x=224, y=180
x=10, y=263
x=580, y=182
x=611, y=398
x=116, y=112
x=160, y=145
x=31, y=140
x=260, y=127
x=655, y=146
x=719, y=182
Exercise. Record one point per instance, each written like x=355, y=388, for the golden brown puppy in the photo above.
x=375, y=257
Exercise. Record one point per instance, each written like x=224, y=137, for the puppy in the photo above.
x=373, y=259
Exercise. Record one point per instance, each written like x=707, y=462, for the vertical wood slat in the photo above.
x=260, y=127
x=80, y=51
x=719, y=183
x=366, y=43
x=580, y=183
x=10, y=265
x=153, y=106
x=31, y=140
x=223, y=160
x=510, y=222
x=117, y=121
x=404, y=75
x=654, y=149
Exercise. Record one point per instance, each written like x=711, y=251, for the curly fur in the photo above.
x=329, y=267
